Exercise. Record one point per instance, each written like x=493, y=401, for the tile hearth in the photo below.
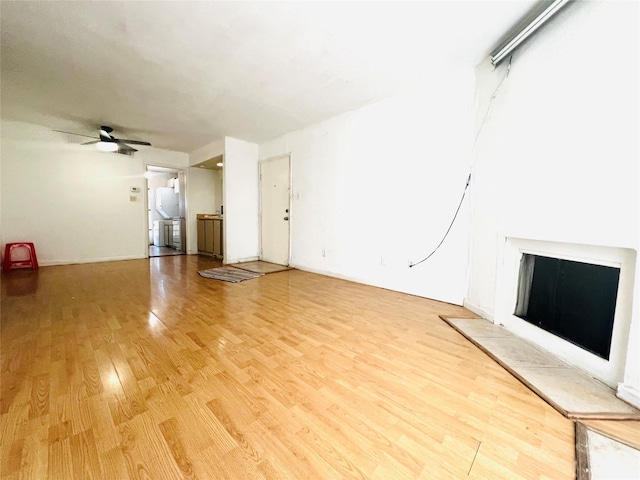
x=568, y=389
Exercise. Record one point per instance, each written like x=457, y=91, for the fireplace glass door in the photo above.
x=573, y=300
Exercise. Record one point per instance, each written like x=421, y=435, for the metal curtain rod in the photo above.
x=539, y=18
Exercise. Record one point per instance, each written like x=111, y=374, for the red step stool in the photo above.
x=9, y=263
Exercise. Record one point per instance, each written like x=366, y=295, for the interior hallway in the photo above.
x=143, y=369
x=163, y=251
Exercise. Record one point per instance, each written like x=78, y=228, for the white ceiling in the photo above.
x=181, y=74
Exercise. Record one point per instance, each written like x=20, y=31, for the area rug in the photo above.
x=229, y=274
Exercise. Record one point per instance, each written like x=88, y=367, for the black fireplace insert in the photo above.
x=573, y=300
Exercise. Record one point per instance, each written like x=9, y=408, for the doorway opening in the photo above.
x=166, y=211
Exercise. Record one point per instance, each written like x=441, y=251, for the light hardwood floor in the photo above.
x=143, y=369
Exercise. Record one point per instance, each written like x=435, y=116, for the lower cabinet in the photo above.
x=201, y=236
x=210, y=235
x=217, y=238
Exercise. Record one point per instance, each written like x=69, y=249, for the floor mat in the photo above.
x=229, y=274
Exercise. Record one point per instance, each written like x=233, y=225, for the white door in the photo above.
x=274, y=215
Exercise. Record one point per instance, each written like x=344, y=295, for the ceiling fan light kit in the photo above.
x=107, y=146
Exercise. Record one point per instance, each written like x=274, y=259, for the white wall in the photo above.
x=378, y=187
x=202, y=192
x=557, y=159
x=73, y=201
x=205, y=188
x=219, y=191
x=1, y=230
x=241, y=203
x=206, y=152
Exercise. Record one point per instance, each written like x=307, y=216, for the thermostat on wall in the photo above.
x=135, y=189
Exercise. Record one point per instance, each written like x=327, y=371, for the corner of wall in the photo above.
x=629, y=394
x=478, y=310
x=210, y=150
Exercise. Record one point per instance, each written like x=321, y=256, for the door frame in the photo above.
x=166, y=169
x=260, y=188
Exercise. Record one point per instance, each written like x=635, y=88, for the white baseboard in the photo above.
x=364, y=281
x=629, y=394
x=51, y=263
x=478, y=310
x=327, y=273
x=240, y=260
x=330, y=273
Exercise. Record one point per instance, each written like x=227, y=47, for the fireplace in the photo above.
x=573, y=300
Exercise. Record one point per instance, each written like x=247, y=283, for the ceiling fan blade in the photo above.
x=105, y=136
x=71, y=133
x=135, y=142
x=125, y=149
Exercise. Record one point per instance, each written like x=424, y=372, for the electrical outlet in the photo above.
x=324, y=253
x=383, y=261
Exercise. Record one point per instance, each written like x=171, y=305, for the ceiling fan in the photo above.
x=109, y=143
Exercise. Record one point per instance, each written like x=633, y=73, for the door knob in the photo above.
x=286, y=218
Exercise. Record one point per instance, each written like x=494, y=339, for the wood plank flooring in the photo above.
x=142, y=369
